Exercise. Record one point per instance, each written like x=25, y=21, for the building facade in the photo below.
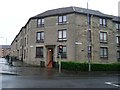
x=4, y=50
x=84, y=34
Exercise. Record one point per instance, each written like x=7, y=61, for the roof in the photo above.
x=67, y=10
x=116, y=19
x=4, y=46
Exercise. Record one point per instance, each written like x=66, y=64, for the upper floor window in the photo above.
x=103, y=36
x=40, y=37
x=103, y=22
x=25, y=41
x=62, y=35
x=117, y=26
x=103, y=52
x=118, y=40
x=40, y=22
x=62, y=19
x=39, y=52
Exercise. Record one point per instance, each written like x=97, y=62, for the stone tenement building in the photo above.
x=4, y=50
x=38, y=41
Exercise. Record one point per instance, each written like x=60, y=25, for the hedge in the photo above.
x=75, y=66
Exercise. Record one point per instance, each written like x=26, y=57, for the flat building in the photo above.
x=83, y=33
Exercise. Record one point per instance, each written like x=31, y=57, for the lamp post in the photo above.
x=88, y=37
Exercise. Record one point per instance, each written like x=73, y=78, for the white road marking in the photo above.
x=112, y=83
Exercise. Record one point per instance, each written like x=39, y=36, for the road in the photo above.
x=48, y=79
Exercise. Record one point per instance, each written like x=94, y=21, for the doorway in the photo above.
x=50, y=57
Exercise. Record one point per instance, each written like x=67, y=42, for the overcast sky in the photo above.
x=14, y=14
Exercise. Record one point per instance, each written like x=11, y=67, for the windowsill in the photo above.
x=39, y=57
x=118, y=45
x=103, y=26
x=63, y=57
x=39, y=41
x=118, y=30
x=62, y=23
x=40, y=26
x=105, y=42
x=61, y=40
x=104, y=57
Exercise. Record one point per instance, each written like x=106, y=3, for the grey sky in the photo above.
x=15, y=13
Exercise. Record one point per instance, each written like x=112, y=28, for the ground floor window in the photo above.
x=39, y=52
x=118, y=55
x=103, y=52
x=64, y=52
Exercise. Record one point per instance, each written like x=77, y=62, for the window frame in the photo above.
x=118, y=40
x=63, y=35
x=117, y=26
x=40, y=38
x=103, y=37
x=103, y=22
x=62, y=19
x=40, y=22
x=103, y=52
x=40, y=53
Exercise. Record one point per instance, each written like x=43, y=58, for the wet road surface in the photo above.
x=36, y=77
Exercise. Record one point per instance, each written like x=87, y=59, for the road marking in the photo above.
x=112, y=83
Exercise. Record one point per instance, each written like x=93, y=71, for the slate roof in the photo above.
x=116, y=19
x=4, y=46
x=67, y=10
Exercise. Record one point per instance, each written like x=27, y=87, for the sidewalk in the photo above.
x=24, y=69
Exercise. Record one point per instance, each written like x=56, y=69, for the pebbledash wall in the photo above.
x=38, y=41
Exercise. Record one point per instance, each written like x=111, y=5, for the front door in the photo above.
x=50, y=58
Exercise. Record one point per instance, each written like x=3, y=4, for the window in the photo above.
x=118, y=40
x=62, y=35
x=40, y=22
x=103, y=36
x=62, y=19
x=118, y=55
x=24, y=53
x=117, y=27
x=103, y=22
x=40, y=37
x=104, y=52
x=39, y=52
x=27, y=39
x=25, y=42
x=64, y=53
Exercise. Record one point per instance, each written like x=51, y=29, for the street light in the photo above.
x=89, y=41
x=5, y=39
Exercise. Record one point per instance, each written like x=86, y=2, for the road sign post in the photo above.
x=59, y=62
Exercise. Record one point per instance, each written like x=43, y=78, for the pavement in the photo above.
x=23, y=69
